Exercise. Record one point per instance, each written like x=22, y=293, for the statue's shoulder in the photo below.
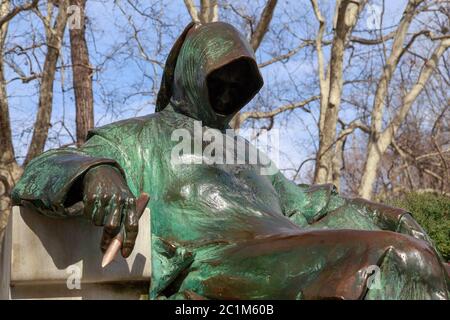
x=124, y=128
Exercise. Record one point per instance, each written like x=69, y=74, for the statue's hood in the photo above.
x=210, y=74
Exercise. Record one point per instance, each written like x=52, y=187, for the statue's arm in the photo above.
x=51, y=182
x=321, y=204
x=303, y=204
x=389, y=218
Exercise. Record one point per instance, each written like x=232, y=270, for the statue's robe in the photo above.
x=227, y=231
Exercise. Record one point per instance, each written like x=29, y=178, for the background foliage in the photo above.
x=432, y=212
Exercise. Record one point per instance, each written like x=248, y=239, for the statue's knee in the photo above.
x=415, y=255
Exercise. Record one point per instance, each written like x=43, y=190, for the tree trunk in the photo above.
x=209, y=11
x=82, y=77
x=347, y=13
x=263, y=24
x=9, y=175
x=7, y=153
x=7, y=150
x=380, y=141
x=42, y=123
x=373, y=157
x=9, y=169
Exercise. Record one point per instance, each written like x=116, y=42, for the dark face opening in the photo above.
x=232, y=86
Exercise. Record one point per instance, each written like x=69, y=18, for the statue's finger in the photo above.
x=131, y=228
x=113, y=217
x=116, y=243
x=89, y=204
x=112, y=225
x=132, y=223
x=99, y=210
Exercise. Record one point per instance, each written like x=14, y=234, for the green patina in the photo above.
x=226, y=231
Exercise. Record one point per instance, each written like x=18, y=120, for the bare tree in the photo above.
x=263, y=24
x=380, y=138
x=345, y=89
x=82, y=74
x=209, y=11
x=10, y=171
x=331, y=80
x=418, y=158
x=54, y=37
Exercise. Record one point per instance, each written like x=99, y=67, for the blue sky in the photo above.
x=123, y=75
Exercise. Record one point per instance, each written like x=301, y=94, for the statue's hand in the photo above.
x=108, y=202
x=407, y=225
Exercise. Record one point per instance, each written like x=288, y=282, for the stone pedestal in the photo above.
x=46, y=258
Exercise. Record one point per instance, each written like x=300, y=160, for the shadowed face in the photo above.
x=211, y=73
x=231, y=86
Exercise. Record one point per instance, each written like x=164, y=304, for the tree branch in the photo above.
x=369, y=42
x=352, y=127
x=391, y=63
x=270, y=114
x=28, y=6
x=209, y=11
x=192, y=10
x=263, y=24
x=323, y=78
x=286, y=55
x=411, y=96
x=42, y=122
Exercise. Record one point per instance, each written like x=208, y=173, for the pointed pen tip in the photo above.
x=116, y=243
x=111, y=252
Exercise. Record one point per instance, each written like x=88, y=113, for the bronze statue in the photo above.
x=226, y=231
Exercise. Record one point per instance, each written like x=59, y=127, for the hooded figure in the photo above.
x=210, y=74
x=225, y=230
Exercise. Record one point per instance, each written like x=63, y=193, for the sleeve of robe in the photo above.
x=321, y=207
x=52, y=181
